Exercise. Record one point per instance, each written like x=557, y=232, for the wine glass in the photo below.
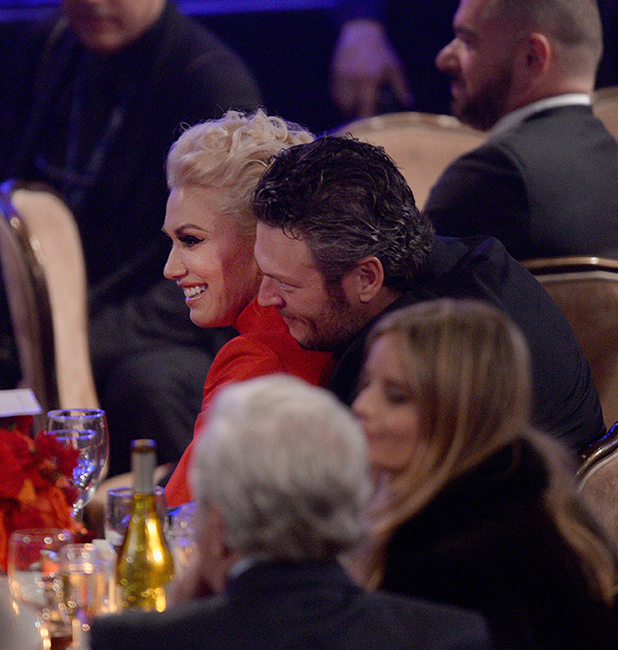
x=34, y=580
x=87, y=469
x=90, y=419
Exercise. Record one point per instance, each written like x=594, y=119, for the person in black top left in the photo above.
x=102, y=93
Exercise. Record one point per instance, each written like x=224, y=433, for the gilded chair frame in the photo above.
x=421, y=144
x=605, y=107
x=45, y=281
x=586, y=291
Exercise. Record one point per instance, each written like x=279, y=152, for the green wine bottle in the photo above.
x=144, y=567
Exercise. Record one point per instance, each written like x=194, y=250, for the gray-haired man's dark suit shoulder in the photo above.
x=304, y=606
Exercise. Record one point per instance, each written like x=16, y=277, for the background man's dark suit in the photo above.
x=303, y=606
x=547, y=187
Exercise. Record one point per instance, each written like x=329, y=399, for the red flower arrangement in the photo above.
x=35, y=482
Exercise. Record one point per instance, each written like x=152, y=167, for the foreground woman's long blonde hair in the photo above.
x=468, y=370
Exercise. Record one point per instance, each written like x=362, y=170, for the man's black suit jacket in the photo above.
x=565, y=400
x=300, y=606
x=547, y=187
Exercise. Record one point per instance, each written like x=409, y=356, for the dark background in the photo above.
x=287, y=44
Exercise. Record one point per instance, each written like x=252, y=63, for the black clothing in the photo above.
x=545, y=188
x=488, y=542
x=301, y=606
x=566, y=403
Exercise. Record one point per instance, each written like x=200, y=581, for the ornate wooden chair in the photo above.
x=586, y=290
x=605, y=107
x=422, y=145
x=44, y=276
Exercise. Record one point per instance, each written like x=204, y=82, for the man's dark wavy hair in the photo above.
x=349, y=201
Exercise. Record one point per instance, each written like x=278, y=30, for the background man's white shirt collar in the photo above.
x=516, y=117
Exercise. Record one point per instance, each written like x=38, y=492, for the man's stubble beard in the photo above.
x=339, y=328
x=488, y=107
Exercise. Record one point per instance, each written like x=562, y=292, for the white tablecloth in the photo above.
x=17, y=626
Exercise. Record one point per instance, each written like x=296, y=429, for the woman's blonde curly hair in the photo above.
x=230, y=154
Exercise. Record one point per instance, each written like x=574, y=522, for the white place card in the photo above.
x=19, y=401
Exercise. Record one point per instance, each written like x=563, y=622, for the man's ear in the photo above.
x=217, y=557
x=538, y=54
x=365, y=280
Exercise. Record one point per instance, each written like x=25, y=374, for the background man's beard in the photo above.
x=487, y=108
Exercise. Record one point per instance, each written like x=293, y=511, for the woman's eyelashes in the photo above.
x=189, y=240
x=397, y=394
x=391, y=391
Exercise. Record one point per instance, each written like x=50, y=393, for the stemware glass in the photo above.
x=87, y=471
x=34, y=581
x=181, y=535
x=85, y=419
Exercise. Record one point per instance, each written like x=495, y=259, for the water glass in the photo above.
x=118, y=513
x=34, y=580
x=84, y=587
x=91, y=419
x=181, y=535
x=87, y=470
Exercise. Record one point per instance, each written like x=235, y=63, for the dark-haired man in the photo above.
x=340, y=241
x=544, y=182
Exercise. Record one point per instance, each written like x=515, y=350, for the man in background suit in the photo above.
x=281, y=481
x=386, y=48
x=545, y=180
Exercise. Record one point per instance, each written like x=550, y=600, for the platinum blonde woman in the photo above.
x=212, y=170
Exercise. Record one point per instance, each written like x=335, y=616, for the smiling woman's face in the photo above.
x=386, y=408
x=211, y=259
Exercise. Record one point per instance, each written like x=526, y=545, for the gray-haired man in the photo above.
x=281, y=481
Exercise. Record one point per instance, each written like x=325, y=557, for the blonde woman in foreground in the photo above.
x=477, y=509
